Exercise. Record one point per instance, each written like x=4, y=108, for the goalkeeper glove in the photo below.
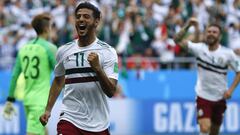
x=9, y=111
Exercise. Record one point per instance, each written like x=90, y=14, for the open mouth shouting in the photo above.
x=82, y=28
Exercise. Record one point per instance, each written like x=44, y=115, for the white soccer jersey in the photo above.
x=212, y=69
x=84, y=102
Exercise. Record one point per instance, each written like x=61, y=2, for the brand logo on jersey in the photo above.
x=68, y=59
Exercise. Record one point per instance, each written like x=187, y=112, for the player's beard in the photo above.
x=211, y=40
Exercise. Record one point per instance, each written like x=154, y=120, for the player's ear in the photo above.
x=46, y=29
x=220, y=36
x=97, y=22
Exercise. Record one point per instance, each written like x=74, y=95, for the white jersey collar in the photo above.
x=88, y=46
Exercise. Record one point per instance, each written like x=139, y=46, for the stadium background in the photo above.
x=156, y=81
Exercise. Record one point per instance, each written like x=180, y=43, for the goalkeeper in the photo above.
x=36, y=61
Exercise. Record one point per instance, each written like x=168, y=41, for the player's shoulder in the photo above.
x=52, y=45
x=102, y=43
x=226, y=50
x=105, y=46
x=47, y=45
x=66, y=46
x=25, y=47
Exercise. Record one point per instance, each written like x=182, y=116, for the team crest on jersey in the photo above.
x=220, y=60
x=200, y=112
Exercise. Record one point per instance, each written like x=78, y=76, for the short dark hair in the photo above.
x=216, y=25
x=40, y=22
x=88, y=5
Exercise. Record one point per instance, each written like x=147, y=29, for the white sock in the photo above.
x=203, y=133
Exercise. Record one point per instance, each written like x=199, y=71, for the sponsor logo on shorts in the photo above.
x=200, y=112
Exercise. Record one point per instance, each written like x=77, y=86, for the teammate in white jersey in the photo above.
x=213, y=61
x=88, y=70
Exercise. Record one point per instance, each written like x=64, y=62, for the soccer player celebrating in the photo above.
x=35, y=60
x=88, y=70
x=213, y=61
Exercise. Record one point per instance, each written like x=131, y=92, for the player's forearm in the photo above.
x=13, y=85
x=109, y=86
x=196, y=34
x=55, y=90
x=15, y=74
x=235, y=82
x=180, y=35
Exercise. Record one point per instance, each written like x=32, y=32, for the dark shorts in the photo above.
x=66, y=128
x=209, y=109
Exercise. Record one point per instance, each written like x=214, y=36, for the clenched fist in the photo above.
x=44, y=118
x=227, y=95
x=94, y=61
x=193, y=21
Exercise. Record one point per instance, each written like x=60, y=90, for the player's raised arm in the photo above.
x=181, y=39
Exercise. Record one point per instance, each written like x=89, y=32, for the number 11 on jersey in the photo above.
x=79, y=59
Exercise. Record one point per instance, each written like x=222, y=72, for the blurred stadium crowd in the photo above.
x=140, y=30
